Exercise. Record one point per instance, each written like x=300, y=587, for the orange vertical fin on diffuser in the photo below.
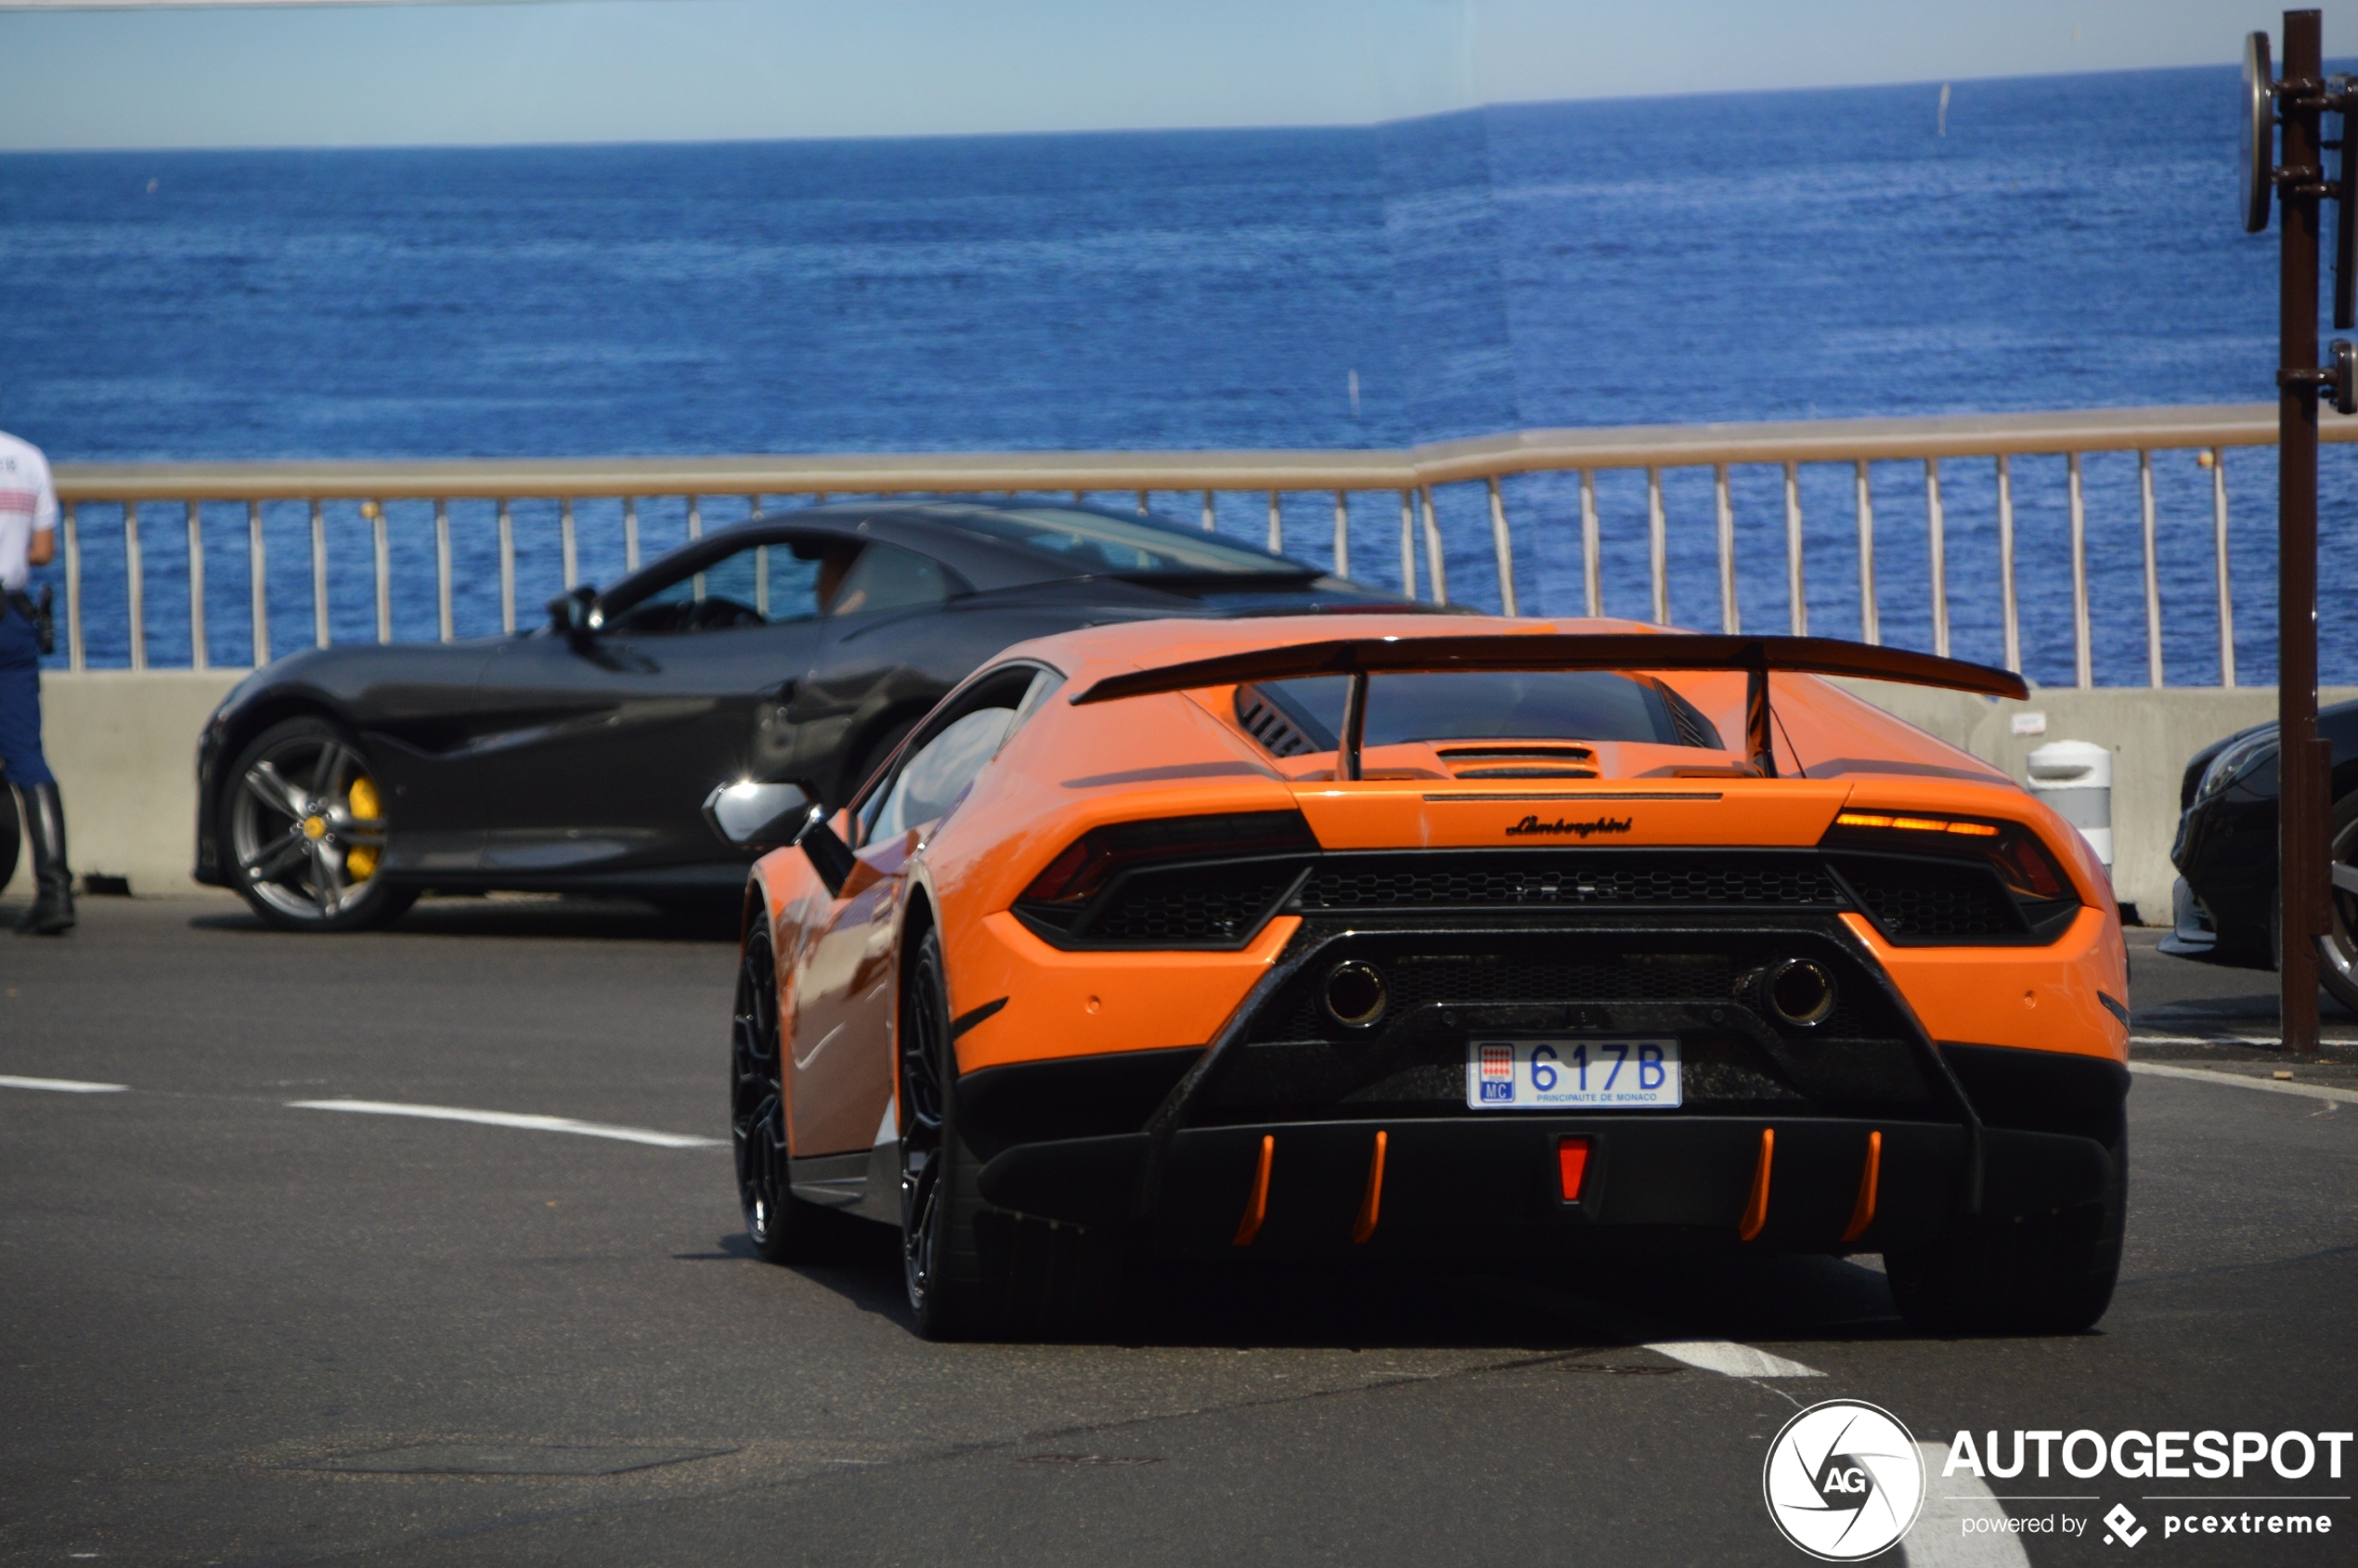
x=1757, y=1206
x=1257, y=1206
x=1369, y=1205
x=1862, y=1213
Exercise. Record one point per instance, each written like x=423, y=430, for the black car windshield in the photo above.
x=1092, y=542
x=1573, y=704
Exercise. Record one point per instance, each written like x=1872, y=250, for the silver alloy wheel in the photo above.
x=304, y=827
x=2338, y=954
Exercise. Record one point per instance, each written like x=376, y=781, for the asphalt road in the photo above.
x=233, y=1331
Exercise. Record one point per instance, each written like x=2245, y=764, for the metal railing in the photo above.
x=1415, y=476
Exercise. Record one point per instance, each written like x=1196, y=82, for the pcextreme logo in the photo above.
x=1843, y=1480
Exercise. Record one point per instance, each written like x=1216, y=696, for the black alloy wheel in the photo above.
x=11, y=839
x=783, y=1228
x=303, y=830
x=2338, y=954
x=925, y=1139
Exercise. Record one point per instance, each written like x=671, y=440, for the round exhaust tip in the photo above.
x=1801, y=992
x=1355, y=993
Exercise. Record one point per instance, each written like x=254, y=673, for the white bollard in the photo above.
x=2074, y=778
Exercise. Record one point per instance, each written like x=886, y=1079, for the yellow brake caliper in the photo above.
x=360, y=862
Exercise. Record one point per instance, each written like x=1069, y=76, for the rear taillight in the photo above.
x=1092, y=860
x=1931, y=877
x=2009, y=849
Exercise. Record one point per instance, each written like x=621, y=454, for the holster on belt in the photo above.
x=36, y=612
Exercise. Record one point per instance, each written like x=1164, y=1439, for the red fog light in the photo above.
x=1572, y=1165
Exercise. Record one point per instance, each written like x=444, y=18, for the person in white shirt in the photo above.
x=29, y=539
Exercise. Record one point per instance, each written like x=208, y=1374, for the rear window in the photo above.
x=1092, y=542
x=1571, y=705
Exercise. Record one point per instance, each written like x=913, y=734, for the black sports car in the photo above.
x=2226, y=853
x=339, y=783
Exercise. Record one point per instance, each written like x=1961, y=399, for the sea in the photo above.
x=1979, y=246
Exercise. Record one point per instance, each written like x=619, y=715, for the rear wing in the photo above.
x=1622, y=651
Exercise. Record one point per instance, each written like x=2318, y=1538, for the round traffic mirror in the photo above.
x=2257, y=132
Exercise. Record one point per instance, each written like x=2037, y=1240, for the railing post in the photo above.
x=696, y=515
x=196, y=587
x=135, y=585
x=1658, y=546
x=2008, y=608
x=1277, y=526
x=1434, y=568
x=1870, y=621
x=258, y=574
x=1504, y=545
x=565, y=535
x=1142, y=503
x=1936, y=528
x=2218, y=546
x=1731, y=619
x=442, y=565
x=1591, y=547
x=318, y=574
x=73, y=587
x=630, y=533
x=1210, y=523
x=2083, y=668
x=1342, y=533
x=2153, y=575
x=1797, y=602
x=508, y=569
x=385, y=571
x=1407, y=545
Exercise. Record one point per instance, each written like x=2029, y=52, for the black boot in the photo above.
x=45, y=827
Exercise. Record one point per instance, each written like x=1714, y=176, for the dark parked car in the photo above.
x=339, y=783
x=2226, y=852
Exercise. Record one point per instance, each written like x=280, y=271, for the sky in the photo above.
x=189, y=75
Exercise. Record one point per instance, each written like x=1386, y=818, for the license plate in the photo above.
x=1589, y=1073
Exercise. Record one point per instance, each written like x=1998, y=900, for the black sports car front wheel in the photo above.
x=304, y=830
x=783, y=1228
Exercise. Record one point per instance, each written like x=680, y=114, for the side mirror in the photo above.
x=829, y=855
x=574, y=614
x=757, y=816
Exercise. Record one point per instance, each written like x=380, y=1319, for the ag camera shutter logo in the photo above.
x=1843, y=1480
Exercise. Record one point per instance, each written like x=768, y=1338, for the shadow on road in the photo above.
x=553, y=915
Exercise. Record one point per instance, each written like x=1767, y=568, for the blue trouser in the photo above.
x=21, y=763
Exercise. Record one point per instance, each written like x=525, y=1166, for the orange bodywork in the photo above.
x=1069, y=769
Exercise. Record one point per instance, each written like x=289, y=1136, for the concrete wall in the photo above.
x=124, y=747
x=2151, y=734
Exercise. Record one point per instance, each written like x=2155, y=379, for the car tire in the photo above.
x=11, y=837
x=781, y=1227
x=2337, y=964
x=302, y=831
x=2037, y=1274
x=974, y=1270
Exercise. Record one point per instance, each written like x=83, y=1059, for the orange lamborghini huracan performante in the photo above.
x=1413, y=936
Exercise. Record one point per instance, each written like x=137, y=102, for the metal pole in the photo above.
x=385, y=571
x=696, y=514
x=1730, y=615
x=1591, y=546
x=1504, y=547
x=1433, y=566
x=2304, y=760
x=1797, y=602
x=507, y=569
x=2083, y=668
x=565, y=535
x=1277, y=526
x=2006, y=564
x=74, y=588
x=318, y=575
x=258, y=574
x=1342, y=533
x=2153, y=576
x=442, y=565
x=196, y=587
x=1142, y=503
x=2219, y=547
x=1936, y=538
x=1209, y=523
x=1870, y=623
x=135, y=585
x=630, y=533
x=1657, y=547
x=1408, y=544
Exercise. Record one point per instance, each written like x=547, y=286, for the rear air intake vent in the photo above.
x=1263, y=723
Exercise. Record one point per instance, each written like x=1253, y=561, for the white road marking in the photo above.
x=2241, y=1080
x=509, y=1119
x=62, y=1086
x=1729, y=1360
x=1940, y=1539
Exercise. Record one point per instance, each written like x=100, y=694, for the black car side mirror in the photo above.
x=574, y=614
x=757, y=816
x=829, y=855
